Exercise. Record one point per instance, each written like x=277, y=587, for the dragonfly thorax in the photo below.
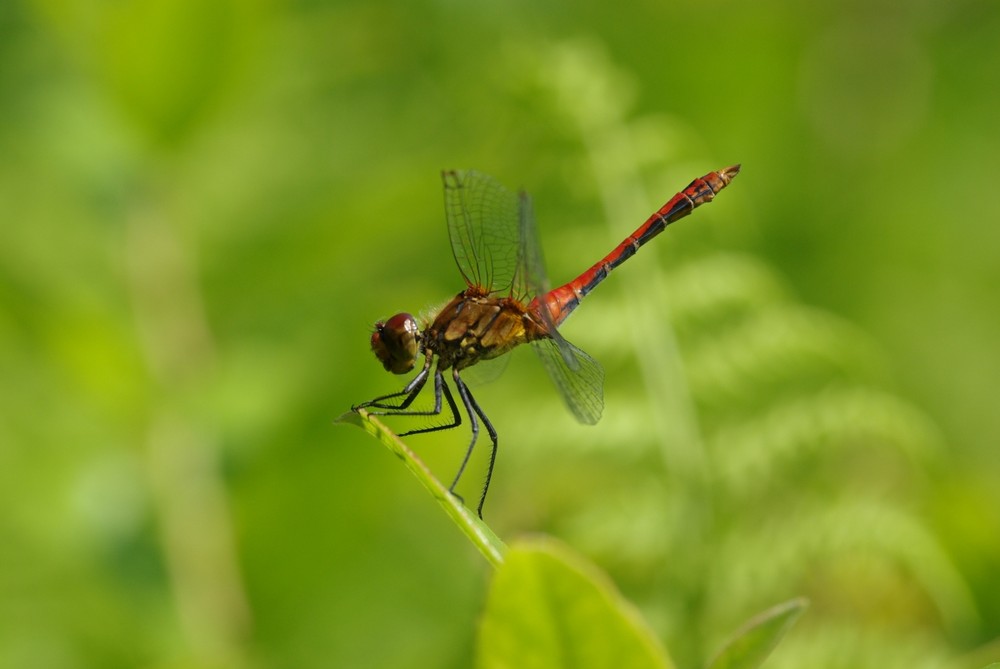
x=395, y=343
x=476, y=326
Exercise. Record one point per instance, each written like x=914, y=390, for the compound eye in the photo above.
x=394, y=343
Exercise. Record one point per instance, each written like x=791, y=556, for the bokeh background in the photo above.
x=205, y=205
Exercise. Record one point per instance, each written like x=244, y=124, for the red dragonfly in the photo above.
x=506, y=302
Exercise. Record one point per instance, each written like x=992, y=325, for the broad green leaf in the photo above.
x=481, y=536
x=754, y=641
x=549, y=608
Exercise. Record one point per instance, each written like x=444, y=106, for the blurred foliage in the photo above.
x=206, y=204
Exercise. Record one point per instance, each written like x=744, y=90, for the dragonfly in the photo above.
x=506, y=302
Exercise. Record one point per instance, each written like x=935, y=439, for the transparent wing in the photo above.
x=582, y=385
x=483, y=225
x=532, y=276
x=579, y=378
x=485, y=371
x=530, y=262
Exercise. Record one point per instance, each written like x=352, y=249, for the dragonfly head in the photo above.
x=394, y=343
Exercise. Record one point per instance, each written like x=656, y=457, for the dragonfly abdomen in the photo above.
x=560, y=302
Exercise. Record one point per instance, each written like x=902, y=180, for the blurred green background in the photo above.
x=205, y=205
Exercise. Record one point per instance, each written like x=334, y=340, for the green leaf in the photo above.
x=481, y=536
x=754, y=641
x=549, y=608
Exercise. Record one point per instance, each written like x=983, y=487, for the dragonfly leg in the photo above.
x=392, y=405
x=409, y=393
x=440, y=389
x=473, y=409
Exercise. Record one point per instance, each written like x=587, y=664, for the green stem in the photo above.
x=481, y=536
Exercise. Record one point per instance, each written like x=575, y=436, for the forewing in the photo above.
x=531, y=263
x=483, y=225
x=532, y=276
x=581, y=387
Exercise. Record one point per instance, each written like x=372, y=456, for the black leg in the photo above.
x=391, y=405
x=440, y=388
x=397, y=404
x=473, y=409
x=409, y=393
